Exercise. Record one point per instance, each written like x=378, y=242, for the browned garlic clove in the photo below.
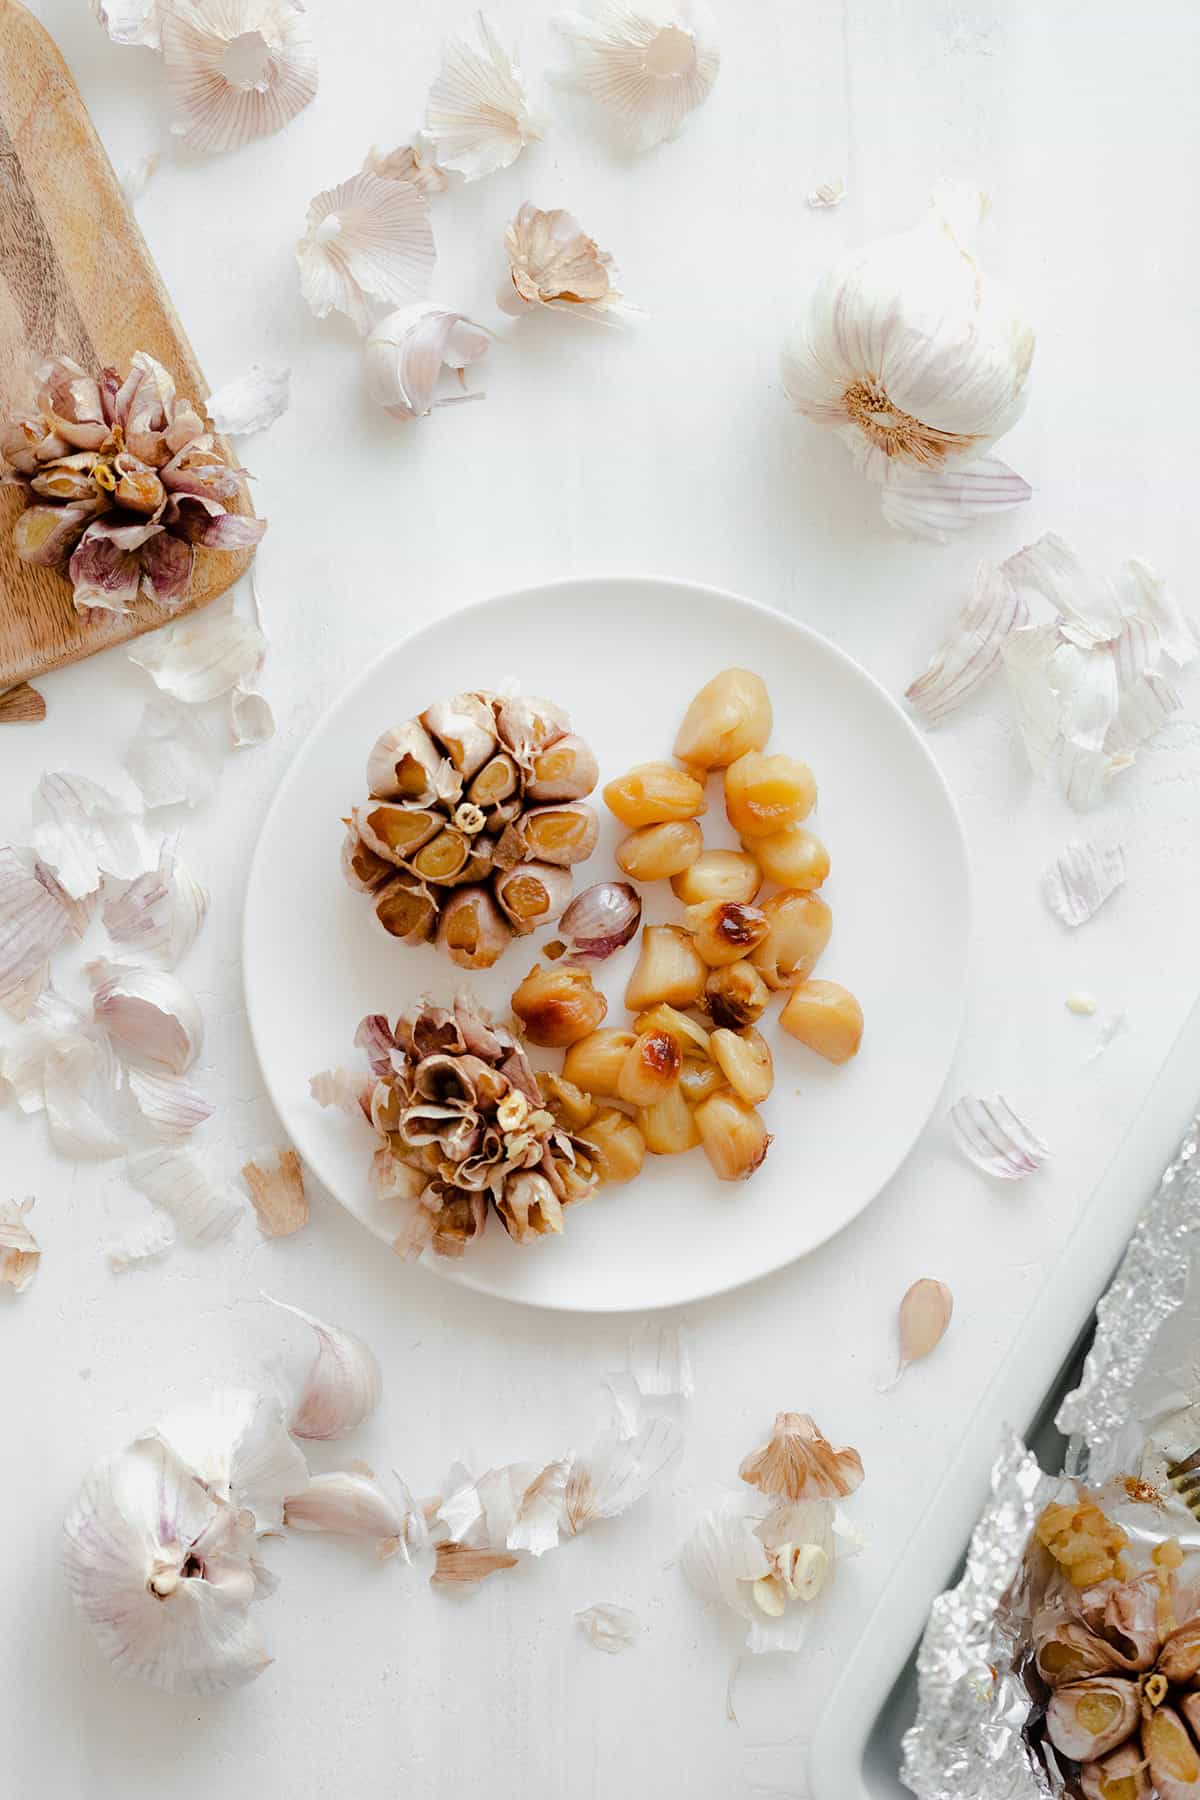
x=766, y=794
x=405, y=908
x=800, y=926
x=736, y=995
x=404, y=764
x=466, y=729
x=617, y=1146
x=734, y=1137
x=533, y=894
x=529, y=1207
x=730, y=715
x=650, y=1070
x=799, y=1463
x=594, y=1063
x=395, y=832
x=744, y=1059
x=1089, y=1718
x=669, y=968
x=725, y=931
x=657, y=852
x=570, y=1105
x=654, y=793
x=825, y=1016
x=692, y=1038
x=565, y=770
x=472, y=930
x=718, y=875
x=563, y=834
x=558, y=1006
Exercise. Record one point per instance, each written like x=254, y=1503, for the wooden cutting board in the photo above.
x=75, y=277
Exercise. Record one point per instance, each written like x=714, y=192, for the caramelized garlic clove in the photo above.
x=564, y=834
x=594, y=1062
x=465, y=728
x=718, y=875
x=744, y=1058
x=734, y=1137
x=565, y=770
x=725, y=931
x=406, y=910
x=650, y=1070
x=654, y=793
x=669, y=968
x=730, y=715
x=657, y=852
x=697, y=1080
x=395, y=832
x=558, y=1006
x=826, y=1017
x=800, y=928
x=691, y=1037
x=735, y=995
x=617, y=1147
x=443, y=858
x=533, y=894
x=496, y=782
x=472, y=930
x=668, y=1127
x=570, y=1105
x=766, y=794
x=403, y=764
x=363, y=869
x=795, y=858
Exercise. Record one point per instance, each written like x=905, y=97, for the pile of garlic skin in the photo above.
x=920, y=362
x=162, y=1550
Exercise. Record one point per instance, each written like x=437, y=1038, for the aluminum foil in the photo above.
x=1135, y=1410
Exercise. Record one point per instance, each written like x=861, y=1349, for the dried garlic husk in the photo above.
x=653, y=64
x=989, y=1134
x=236, y=69
x=920, y=363
x=19, y=1251
x=161, y=913
x=553, y=263
x=33, y=923
x=130, y=21
x=406, y=352
x=144, y=1244
x=169, y=1104
x=477, y=116
x=827, y=194
x=176, y=1180
x=1082, y=878
x=799, y=1463
x=161, y=1550
x=253, y=401
x=660, y=1360
x=275, y=1183
x=974, y=647
x=203, y=656
x=766, y=1567
x=610, y=1628
x=351, y=1502
x=83, y=832
x=365, y=237
x=173, y=759
x=617, y=1472
x=415, y=161
x=152, y=1017
x=343, y=1386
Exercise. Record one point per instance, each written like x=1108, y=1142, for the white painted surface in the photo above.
x=668, y=449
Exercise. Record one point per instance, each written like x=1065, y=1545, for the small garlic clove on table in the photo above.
x=925, y=1313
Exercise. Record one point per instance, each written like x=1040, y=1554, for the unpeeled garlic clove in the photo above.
x=533, y=894
x=600, y=920
x=394, y=832
x=348, y=1501
x=924, y=1320
x=565, y=833
x=404, y=764
x=344, y=1384
x=466, y=729
x=471, y=929
x=151, y=1016
x=564, y=770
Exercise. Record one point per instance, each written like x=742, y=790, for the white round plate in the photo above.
x=625, y=655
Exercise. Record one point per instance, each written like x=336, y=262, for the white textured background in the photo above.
x=668, y=449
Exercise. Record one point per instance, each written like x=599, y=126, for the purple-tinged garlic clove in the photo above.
x=532, y=894
x=405, y=908
x=343, y=1386
x=565, y=770
x=472, y=930
x=528, y=726
x=403, y=764
x=394, y=832
x=600, y=920
x=46, y=535
x=466, y=729
x=1087, y=1719
x=68, y=479
x=565, y=834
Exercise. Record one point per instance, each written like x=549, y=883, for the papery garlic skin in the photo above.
x=407, y=351
x=553, y=263
x=477, y=117
x=365, y=237
x=918, y=361
x=214, y=109
x=652, y=64
x=154, y=1019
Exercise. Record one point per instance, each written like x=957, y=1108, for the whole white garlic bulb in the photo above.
x=160, y=1550
x=921, y=363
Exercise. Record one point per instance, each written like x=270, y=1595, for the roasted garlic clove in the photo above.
x=472, y=930
x=744, y=1058
x=495, y=783
x=650, y=1070
x=565, y=770
x=533, y=894
x=1083, y=1540
x=1174, y=1763
x=718, y=875
x=528, y=725
x=795, y=858
x=394, y=832
x=735, y=1139
x=1089, y=1718
x=1179, y=1658
x=465, y=728
x=528, y=1206
x=558, y=1006
x=730, y=715
x=800, y=928
x=691, y=1037
x=697, y=1080
x=444, y=857
x=669, y=968
x=1123, y=1775
x=736, y=995
x=403, y=765
x=669, y=1125
x=825, y=1016
x=569, y=1104
x=653, y=793
x=725, y=931
x=363, y=869
x=656, y=852
x=617, y=1147
x=564, y=834
x=1070, y=1651
x=766, y=794
x=594, y=1063
x=405, y=908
